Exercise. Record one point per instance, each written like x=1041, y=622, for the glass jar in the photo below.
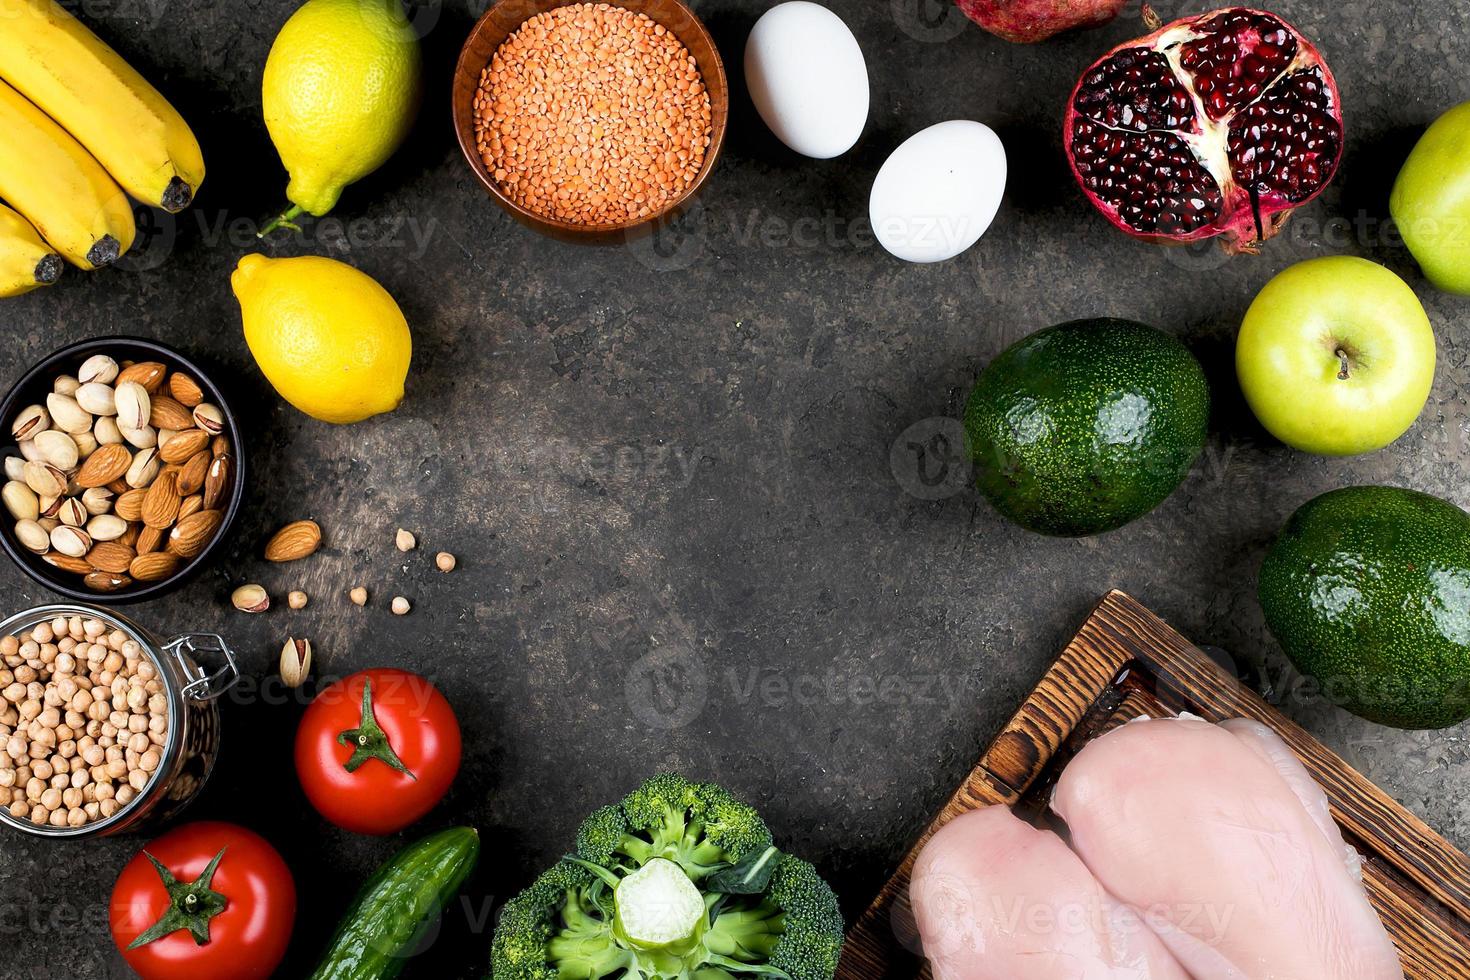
x=193, y=719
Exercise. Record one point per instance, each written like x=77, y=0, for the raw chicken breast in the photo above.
x=1195, y=827
x=1269, y=746
x=997, y=899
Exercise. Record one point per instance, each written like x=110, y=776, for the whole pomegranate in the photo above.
x=1215, y=125
x=1029, y=21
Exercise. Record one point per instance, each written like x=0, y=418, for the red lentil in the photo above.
x=592, y=114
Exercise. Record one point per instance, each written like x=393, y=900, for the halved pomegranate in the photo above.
x=1215, y=125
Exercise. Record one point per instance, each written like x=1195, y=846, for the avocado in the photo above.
x=1087, y=425
x=1368, y=590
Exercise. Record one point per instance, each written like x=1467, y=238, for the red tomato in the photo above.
x=247, y=903
x=375, y=768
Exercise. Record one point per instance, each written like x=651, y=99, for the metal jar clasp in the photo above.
x=201, y=684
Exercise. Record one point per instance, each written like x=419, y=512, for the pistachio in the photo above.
x=358, y=596
x=21, y=501
x=86, y=444
x=98, y=368
x=33, y=537
x=445, y=561
x=144, y=438
x=134, y=406
x=28, y=450
x=107, y=527
x=295, y=662
x=106, y=432
x=49, y=507
x=66, y=385
x=71, y=512
x=97, y=500
x=15, y=468
x=71, y=541
x=401, y=606
x=251, y=598
x=32, y=419
x=66, y=414
x=144, y=468
x=45, y=479
x=209, y=418
x=405, y=540
x=296, y=599
x=97, y=398
x=58, y=449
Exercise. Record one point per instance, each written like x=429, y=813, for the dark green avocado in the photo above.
x=1085, y=426
x=1368, y=590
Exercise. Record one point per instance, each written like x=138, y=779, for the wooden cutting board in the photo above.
x=1125, y=662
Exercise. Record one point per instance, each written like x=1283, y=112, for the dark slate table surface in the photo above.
x=690, y=533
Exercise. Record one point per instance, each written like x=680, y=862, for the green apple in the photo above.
x=1336, y=356
x=1431, y=201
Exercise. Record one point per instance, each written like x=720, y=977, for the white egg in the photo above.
x=807, y=78
x=937, y=193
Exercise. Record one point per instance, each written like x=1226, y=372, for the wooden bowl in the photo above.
x=501, y=20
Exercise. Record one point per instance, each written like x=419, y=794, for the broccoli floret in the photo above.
x=766, y=914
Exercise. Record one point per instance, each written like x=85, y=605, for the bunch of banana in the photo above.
x=78, y=121
x=25, y=260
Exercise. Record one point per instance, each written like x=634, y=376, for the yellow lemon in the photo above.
x=328, y=337
x=340, y=91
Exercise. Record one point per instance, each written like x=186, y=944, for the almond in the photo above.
x=296, y=540
x=217, y=481
x=154, y=567
x=150, y=539
x=191, y=505
x=190, y=535
x=184, y=445
x=129, y=506
x=149, y=374
x=191, y=475
x=165, y=413
x=120, y=485
x=106, y=582
x=107, y=463
x=109, y=556
x=161, y=506
x=77, y=566
x=186, y=390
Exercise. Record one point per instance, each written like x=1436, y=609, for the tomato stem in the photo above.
x=368, y=740
x=191, y=904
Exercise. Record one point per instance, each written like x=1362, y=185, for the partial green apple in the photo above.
x=1431, y=201
x=1336, y=356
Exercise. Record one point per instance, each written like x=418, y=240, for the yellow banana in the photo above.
x=25, y=261
x=52, y=180
x=55, y=61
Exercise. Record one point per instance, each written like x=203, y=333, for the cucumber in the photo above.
x=399, y=903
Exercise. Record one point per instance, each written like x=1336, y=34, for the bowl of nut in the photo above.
x=105, y=728
x=591, y=122
x=123, y=470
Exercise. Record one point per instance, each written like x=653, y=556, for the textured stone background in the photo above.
x=666, y=468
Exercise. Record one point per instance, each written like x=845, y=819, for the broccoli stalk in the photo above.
x=678, y=881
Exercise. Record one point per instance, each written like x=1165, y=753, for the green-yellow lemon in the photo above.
x=340, y=92
x=328, y=337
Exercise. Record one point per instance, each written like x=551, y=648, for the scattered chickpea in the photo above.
x=405, y=540
x=400, y=606
x=359, y=596
x=445, y=561
x=296, y=599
